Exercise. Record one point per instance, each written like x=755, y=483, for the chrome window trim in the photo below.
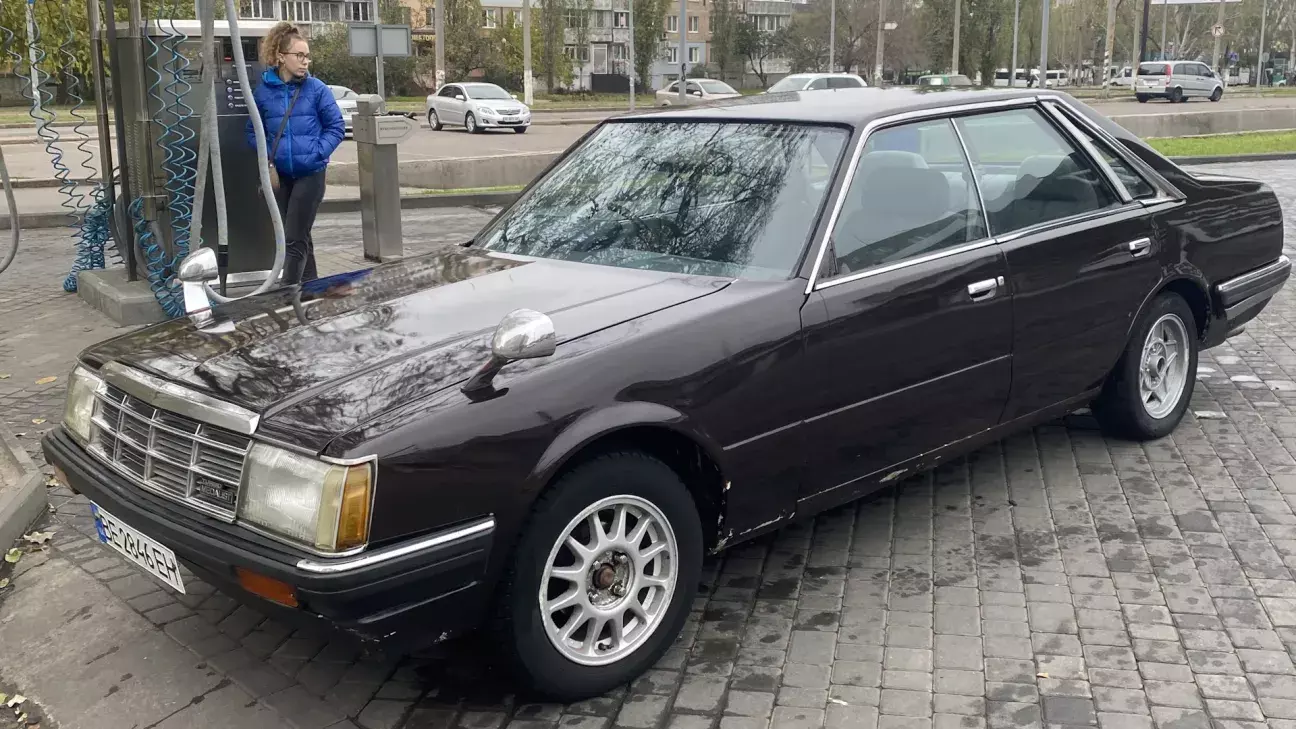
x=1078, y=138
x=169, y=396
x=906, y=263
x=401, y=550
x=868, y=130
x=976, y=184
x=1145, y=170
x=1049, y=225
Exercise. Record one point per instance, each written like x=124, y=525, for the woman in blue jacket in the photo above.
x=314, y=129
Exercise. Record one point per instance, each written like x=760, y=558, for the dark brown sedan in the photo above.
x=694, y=328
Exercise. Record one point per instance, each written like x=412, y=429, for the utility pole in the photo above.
x=1219, y=21
x=630, y=56
x=378, y=58
x=881, y=43
x=1012, y=72
x=1264, y=12
x=1142, y=39
x=958, y=21
x=1107, y=47
x=683, y=51
x=37, y=105
x=1134, y=42
x=528, y=82
x=1165, y=14
x=438, y=27
x=832, y=34
x=1044, y=33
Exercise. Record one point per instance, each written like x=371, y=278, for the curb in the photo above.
x=23, y=503
x=1227, y=158
x=419, y=202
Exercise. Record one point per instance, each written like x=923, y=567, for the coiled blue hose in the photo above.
x=155, y=259
x=181, y=171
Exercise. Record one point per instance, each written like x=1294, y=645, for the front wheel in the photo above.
x=520, y=130
x=1148, y=392
x=470, y=123
x=1217, y=94
x=603, y=577
x=434, y=121
x=1142, y=98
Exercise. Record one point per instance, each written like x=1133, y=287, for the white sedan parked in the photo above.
x=346, y=101
x=476, y=107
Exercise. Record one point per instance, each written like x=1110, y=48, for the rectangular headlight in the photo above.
x=82, y=386
x=318, y=504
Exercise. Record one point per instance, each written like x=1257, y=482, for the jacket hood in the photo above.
x=319, y=360
x=270, y=77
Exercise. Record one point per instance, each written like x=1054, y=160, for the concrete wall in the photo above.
x=1189, y=123
x=457, y=173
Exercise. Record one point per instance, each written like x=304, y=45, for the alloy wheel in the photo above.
x=1163, y=368
x=609, y=580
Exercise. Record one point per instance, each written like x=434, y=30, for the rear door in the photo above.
x=449, y=108
x=1081, y=252
x=909, y=329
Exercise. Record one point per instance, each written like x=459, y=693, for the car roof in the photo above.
x=853, y=106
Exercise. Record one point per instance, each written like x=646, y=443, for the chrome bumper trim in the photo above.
x=369, y=559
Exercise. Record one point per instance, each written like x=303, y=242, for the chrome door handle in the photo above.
x=982, y=290
x=1139, y=248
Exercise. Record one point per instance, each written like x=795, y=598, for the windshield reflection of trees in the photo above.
x=725, y=199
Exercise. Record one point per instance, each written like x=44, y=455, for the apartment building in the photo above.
x=308, y=12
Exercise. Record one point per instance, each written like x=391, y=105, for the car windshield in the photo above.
x=487, y=92
x=1152, y=69
x=341, y=92
x=717, y=87
x=721, y=199
x=790, y=83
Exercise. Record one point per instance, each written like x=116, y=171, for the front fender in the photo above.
x=605, y=421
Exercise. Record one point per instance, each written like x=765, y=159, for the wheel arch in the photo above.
x=657, y=430
x=1193, y=290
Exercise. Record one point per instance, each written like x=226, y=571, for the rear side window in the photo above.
x=912, y=195
x=1138, y=187
x=844, y=82
x=1028, y=172
x=1152, y=69
x=819, y=83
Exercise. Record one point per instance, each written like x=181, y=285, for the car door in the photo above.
x=693, y=93
x=817, y=84
x=454, y=108
x=1081, y=252
x=908, y=330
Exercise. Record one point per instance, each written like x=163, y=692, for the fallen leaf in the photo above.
x=52, y=481
x=4, y=582
x=38, y=421
x=13, y=555
x=17, y=700
x=1041, y=675
x=46, y=380
x=3, y=698
x=38, y=537
x=4, y=377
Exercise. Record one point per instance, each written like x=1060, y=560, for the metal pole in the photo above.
x=683, y=50
x=1165, y=13
x=1108, y=44
x=35, y=72
x=1142, y=39
x=127, y=246
x=1264, y=11
x=438, y=27
x=1044, y=37
x=528, y=81
x=1215, y=55
x=1134, y=42
x=1012, y=72
x=958, y=22
x=378, y=58
x=832, y=35
x=630, y=55
x=881, y=43
x=101, y=98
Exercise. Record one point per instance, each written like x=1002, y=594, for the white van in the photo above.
x=1001, y=77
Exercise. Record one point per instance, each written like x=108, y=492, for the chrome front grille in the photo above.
x=171, y=455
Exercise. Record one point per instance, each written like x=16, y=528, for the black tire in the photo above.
x=1217, y=94
x=470, y=123
x=1176, y=95
x=535, y=660
x=434, y=121
x=1142, y=98
x=520, y=130
x=1119, y=409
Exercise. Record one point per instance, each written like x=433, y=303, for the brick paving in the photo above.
x=1056, y=578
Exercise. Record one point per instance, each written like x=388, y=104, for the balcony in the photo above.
x=768, y=7
x=597, y=35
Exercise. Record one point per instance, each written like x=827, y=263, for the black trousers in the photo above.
x=299, y=199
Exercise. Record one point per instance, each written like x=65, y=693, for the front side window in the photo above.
x=711, y=198
x=844, y=82
x=819, y=83
x=1028, y=172
x=450, y=92
x=912, y=195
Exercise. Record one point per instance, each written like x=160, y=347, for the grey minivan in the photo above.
x=1177, y=81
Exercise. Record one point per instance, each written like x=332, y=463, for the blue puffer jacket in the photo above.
x=314, y=131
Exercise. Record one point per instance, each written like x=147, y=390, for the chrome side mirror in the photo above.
x=195, y=271
x=522, y=334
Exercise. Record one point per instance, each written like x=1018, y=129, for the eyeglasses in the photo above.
x=301, y=57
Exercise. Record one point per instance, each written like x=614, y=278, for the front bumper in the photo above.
x=502, y=122
x=408, y=595
x=1239, y=299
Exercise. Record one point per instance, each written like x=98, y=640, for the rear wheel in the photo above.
x=603, y=577
x=1176, y=95
x=1217, y=94
x=1142, y=98
x=1148, y=392
x=434, y=121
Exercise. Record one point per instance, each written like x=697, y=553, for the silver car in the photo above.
x=346, y=101
x=476, y=107
x=816, y=81
x=697, y=91
x=1177, y=81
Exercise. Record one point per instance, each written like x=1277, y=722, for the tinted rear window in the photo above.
x=1152, y=69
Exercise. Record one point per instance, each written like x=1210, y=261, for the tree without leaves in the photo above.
x=724, y=17
x=756, y=46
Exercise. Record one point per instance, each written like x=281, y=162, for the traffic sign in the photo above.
x=1217, y=30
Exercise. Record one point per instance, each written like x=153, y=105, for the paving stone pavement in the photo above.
x=1057, y=578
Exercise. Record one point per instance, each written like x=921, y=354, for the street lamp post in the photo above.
x=1264, y=11
x=1012, y=72
x=958, y=22
x=832, y=34
x=630, y=56
x=528, y=83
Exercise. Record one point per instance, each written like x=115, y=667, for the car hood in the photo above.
x=322, y=359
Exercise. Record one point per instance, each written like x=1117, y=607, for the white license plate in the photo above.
x=143, y=551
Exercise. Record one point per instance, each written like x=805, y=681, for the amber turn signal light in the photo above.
x=353, y=514
x=267, y=587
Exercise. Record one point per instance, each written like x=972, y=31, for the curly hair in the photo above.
x=278, y=40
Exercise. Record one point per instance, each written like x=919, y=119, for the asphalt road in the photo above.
x=29, y=160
